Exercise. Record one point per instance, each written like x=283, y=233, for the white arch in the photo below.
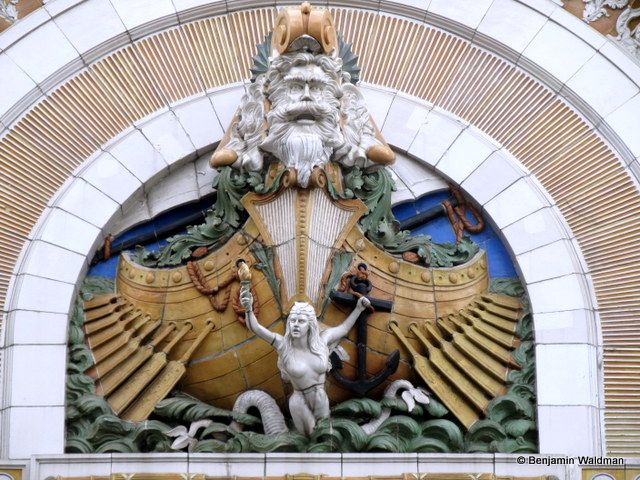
x=587, y=68
x=591, y=71
x=88, y=206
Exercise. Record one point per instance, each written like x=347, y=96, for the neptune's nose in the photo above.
x=306, y=95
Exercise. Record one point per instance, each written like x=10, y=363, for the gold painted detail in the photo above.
x=11, y=473
x=506, y=103
x=303, y=476
x=225, y=156
x=333, y=173
x=218, y=295
x=274, y=170
x=467, y=355
x=520, y=113
x=416, y=298
x=230, y=360
x=130, y=349
x=302, y=234
x=292, y=23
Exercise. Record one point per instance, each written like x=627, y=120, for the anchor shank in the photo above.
x=362, y=383
x=362, y=344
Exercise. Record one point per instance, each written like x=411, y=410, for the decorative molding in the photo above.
x=305, y=476
x=595, y=9
x=11, y=473
x=9, y=10
x=547, y=153
x=627, y=37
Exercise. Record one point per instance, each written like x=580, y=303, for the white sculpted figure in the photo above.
x=303, y=121
x=304, y=112
x=303, y=356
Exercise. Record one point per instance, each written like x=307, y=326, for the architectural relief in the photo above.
x=621, y=25
x=595, y=9
x=315, y=114
x=300, y=316
x=305, y=476
x=9, y=10
x=303, y=356
x=629, y=37
x=125, y=103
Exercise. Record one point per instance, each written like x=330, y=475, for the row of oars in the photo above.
x=133, y=375
x=468, y=354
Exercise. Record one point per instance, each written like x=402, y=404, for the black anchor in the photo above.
x=362, y=384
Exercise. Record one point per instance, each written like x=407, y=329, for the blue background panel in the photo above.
x=500, y=264
x=108, y=268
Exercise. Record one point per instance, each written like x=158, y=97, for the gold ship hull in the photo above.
x=230, y=360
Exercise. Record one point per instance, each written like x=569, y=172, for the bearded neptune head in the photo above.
x=302, y=111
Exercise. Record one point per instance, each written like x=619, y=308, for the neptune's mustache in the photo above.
x=302, y=110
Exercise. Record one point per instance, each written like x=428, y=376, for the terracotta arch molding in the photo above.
x=541, y=38
x=536, y=234
x=532, y=121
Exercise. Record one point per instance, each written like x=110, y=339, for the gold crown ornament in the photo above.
x=304, y=27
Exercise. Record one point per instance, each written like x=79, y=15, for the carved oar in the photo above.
x=488, y=363
x=497, y=337
x=449, y=396
x=505, y=313
x=99, y=337
x=122, y=339
x=105, y=310
x=503, y=301
x=164, y=382
x=124, y=363
x=473, y=394
x=487, y=344
x=466, y=364
x=100, y=301
x=104, y=323
x=127, y=393
x=490, y=318
x=115, y=352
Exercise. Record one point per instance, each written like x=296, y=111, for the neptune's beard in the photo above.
x=303, y=136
